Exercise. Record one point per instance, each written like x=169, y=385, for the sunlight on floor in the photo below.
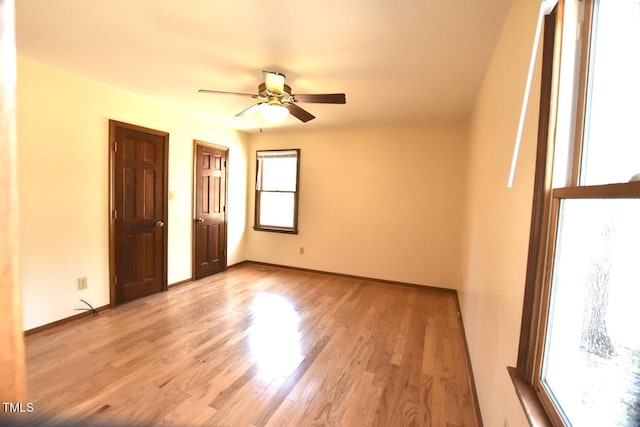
x=274, y=336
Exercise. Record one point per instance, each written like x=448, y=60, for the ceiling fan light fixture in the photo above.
x=274, y=113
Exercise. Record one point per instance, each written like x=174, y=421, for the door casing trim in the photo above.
x=165, y=203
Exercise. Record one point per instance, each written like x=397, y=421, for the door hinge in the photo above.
x=225, y=163
x=115, y=146
x=115, y=280
x=115, y=214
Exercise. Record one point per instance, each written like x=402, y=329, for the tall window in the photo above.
x=582, y=352
x=277, y=174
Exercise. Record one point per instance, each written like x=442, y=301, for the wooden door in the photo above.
x=210, y=225
x=139, y=211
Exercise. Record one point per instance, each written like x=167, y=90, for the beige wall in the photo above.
x=379, y=201
x=497, y=219
x=63, y=185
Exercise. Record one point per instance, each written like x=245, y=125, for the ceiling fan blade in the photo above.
x=251, y=110
x=327, y=98
x=274, y=81
x=253, y=95
x=300, y=113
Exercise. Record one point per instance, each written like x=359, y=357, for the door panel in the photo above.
x=210, y=216
x=139, y=203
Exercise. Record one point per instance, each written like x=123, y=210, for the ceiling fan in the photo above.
x=277, y=101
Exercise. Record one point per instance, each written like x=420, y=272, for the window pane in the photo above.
x=276, y=209
x=612, y=128
x=591, y=363
x=279, y=174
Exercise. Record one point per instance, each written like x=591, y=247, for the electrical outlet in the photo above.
x=301, y=250
x=82, y=283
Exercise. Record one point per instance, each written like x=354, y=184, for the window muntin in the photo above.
x=277, y=174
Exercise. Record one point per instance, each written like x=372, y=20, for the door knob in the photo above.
x=159, y=224
x=199, y=220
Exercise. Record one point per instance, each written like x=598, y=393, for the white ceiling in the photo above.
x=397, y=61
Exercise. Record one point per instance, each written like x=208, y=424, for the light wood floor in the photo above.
x=260, y=345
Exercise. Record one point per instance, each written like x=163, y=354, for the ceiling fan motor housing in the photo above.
x=283, y=98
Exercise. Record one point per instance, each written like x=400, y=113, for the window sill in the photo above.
x=276, y=230
x=533, y=409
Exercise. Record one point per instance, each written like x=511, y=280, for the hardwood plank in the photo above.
x=190, y=412
x=363, y=402
x=260, y=345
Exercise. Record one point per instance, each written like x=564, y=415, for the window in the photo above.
x=277, y=174
x=580, y=343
